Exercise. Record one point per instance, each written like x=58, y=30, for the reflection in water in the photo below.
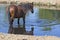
x=20, y=30
x=32, y=20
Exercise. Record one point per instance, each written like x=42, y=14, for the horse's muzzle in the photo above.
x=32, y=11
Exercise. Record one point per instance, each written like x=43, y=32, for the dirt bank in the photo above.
x=26, y=37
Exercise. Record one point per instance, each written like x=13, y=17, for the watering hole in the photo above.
x=44, y=21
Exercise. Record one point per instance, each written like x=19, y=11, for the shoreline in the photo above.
x=46, y=7
x=4, y=36
x=43, y=7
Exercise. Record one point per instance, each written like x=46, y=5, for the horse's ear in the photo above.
x=32, y=3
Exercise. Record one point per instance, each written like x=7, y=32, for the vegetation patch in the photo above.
x=49, y=14
x=46, y=28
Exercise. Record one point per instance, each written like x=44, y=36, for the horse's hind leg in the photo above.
x=11, y=26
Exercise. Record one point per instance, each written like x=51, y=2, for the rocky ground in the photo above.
x=4, y=36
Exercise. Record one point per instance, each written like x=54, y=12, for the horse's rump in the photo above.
x=13, y=10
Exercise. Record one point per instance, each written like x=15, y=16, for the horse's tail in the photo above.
x=11, y=12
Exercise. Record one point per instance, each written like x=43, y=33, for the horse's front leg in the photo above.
x=24, y=22
x=18, y=22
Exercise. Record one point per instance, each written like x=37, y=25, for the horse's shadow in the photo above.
x=20, y=30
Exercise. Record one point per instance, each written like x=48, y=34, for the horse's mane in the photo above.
x=25, y=5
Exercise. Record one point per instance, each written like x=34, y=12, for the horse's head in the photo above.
x=31, y=7
x=28, y=6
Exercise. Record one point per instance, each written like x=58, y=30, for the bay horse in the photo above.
x=19, y=11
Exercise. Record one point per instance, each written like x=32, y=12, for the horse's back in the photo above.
x=20, y=12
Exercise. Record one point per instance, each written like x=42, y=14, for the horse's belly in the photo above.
x=18, y=15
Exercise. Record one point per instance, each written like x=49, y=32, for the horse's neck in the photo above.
x=25, y=10
x=25, y=7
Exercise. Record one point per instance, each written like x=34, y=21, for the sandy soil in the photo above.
x=26, y=37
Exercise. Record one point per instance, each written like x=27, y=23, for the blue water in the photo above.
x=32, y=20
